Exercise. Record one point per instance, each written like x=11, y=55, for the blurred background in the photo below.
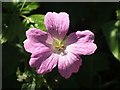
x=99, y=70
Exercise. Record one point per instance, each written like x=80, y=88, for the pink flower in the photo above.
x=53, y=48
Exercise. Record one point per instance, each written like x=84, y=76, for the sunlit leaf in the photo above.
x=29, y=86
x=111, y=32
x=118, y=14
x=28, y=7
x=21, y=76
x=36, y=21
x=2, y=39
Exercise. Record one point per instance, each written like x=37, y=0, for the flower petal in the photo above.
x=36, y=39
x=38, y=56
x=48, y=64
x=82, y=49
x=69, y=64
x=57, y=24
x=43, y=61
x=81, y=43
x=36, y=35
x=31, y=46
x=81, y=37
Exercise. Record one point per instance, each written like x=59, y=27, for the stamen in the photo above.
x=58, y=45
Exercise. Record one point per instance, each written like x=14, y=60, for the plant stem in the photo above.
x=23, y=5
x=26, y=18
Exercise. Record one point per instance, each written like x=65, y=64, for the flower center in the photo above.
x=58, y=45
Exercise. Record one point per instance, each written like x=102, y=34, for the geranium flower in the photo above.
x=53, y=48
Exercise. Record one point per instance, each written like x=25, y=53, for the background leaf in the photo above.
x=36, y=21
x=28, y=7
x=118, y=14
x=110, y=31
x=13, y=28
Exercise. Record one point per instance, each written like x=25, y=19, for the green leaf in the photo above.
x=40, y=80
x=2, y=39
x=112, y=35
x=29, y=86
x=118, y=14
x=21, y=76
x=28, y=7
x=9, y=26
x=36, y=21
x=12, y=28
